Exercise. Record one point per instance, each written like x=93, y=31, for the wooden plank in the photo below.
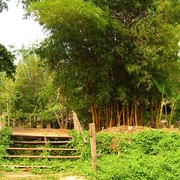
x=21, y=166
x=50, y=157
x=39, y=135
x=99, y=155
x=41, y=149
x=39, y=142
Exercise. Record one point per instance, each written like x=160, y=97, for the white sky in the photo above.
x=14, y=30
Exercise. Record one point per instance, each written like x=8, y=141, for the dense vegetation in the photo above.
x=117, y=59
x=113, y=62
x=150, y=154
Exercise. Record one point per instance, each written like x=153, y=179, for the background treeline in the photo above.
x=113, y=62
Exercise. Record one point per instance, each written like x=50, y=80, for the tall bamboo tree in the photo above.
x=111, y=54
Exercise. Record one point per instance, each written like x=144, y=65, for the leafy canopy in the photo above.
x=6, y=62
x=109, y=52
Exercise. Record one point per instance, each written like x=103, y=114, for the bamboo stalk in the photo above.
x=111, y=118
x=131, y=115
x=172, y=113
x=151, y=110
x=127, y=114
x=160, y=111
x=135, y=112
x=123, y=109
x=119, y=116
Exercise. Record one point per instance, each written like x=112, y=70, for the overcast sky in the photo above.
x=14, y=30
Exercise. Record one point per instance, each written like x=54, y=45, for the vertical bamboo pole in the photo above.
x=135, y=113
x=123, y=109
x=107, y=117
x=127, y=113
x=151, y=111
x=160, y=111
x=111, y=114
x=119, y=113
x=172, y=113
x=157, y=107
x=131, y=115
x=93, y=145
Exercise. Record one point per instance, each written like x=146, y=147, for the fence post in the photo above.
x=78, y=127
x=93, y=145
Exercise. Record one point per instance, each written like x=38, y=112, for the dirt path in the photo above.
x=28, y=176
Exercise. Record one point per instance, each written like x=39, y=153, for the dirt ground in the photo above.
x=133, y=129
x=29, y=176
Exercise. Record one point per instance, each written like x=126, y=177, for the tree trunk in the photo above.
x=135, y=113
x=151, y=111
x=160, y=110
x=92, y=109
x=157, y=108
x=131, y=115
x=172, y=113
x=57, y=118
x=119, y=113
x=110, y=114
x=123, y=109
x=62, y=115
x=127, y=114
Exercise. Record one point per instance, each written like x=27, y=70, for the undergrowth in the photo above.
x=150, y=154
x=4, y=142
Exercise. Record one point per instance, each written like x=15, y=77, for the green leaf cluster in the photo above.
x=6, y=62
x=110, y=52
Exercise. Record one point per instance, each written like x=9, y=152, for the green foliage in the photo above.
x=138, y=166
x=111, y=51
x=3, y=5
x=32, y=91
x=104, y=142
x=6, y=60
x=4, y=141
x=151, y=142
x=4, y=136
x=150, y=154
x=156, y=142
x=78, y=143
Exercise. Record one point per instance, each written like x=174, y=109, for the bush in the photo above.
x=147, y=155
x=4, y=136
x=4, y=142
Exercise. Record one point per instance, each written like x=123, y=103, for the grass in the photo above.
x=147, y=155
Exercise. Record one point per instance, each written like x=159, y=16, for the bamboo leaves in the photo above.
x=111, y=54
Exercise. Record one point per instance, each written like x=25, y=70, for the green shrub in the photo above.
x=78, y=143
x=156, y=141
x=147, y=155
x=4, y=140
x=4, y=136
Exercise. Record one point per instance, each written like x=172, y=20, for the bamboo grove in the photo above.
x=116, y=59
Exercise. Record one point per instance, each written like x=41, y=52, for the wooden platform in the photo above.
x=40, y=132
x=39, y=142
x=21, y=166
x=38, y=136
x=51, y=157
x=40, y=149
